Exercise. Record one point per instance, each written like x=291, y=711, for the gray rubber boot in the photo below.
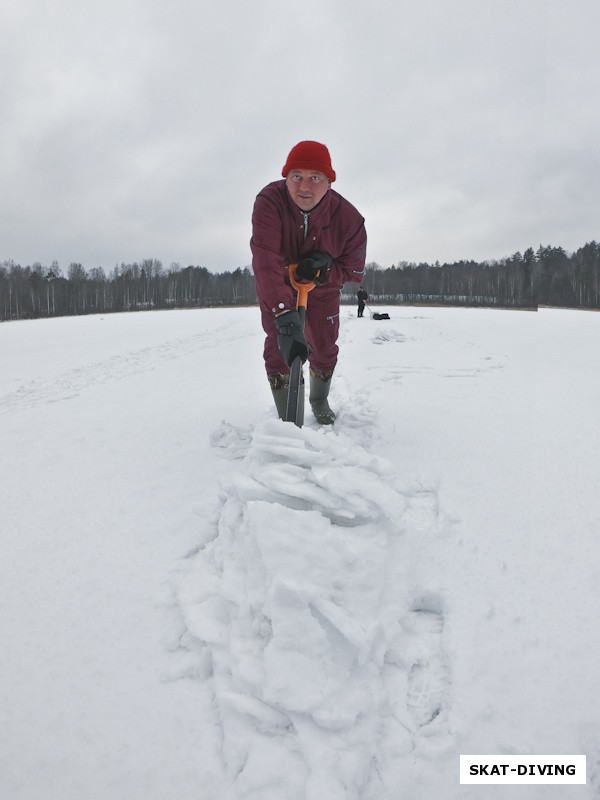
x=320, y=383
x=280, y=395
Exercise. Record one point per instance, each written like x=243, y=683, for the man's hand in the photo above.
x=314, y=266
x=291, y=337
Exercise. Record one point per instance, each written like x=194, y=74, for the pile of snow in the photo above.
x=325, y=658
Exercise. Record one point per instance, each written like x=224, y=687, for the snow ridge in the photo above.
x=326, y=662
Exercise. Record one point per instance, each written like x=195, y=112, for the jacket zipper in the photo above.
x=305, y=213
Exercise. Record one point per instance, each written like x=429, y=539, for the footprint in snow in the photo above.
x=429, y=678
x=419, y=688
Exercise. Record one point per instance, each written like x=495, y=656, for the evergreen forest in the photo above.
x=548, y=276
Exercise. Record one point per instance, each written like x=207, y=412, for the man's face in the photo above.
x=307, y=187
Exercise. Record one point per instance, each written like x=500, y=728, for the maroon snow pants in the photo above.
x=321, y=329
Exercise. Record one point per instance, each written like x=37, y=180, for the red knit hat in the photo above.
x=309, y=155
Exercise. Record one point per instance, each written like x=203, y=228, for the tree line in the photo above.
x=548, y=276
x=35, y=291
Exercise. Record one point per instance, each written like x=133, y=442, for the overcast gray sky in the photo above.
x=134, y=129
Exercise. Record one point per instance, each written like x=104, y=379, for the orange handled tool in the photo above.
x=303, y=289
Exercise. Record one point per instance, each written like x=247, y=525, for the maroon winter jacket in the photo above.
x=282, y=232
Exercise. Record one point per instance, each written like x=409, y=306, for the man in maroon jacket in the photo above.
x=302, y=220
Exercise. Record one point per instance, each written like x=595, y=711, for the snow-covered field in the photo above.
x=201, y=602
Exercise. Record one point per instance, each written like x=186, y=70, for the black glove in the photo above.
x=314, y=266
x=291, y=337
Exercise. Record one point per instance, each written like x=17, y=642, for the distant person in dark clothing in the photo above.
x=362, y=297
